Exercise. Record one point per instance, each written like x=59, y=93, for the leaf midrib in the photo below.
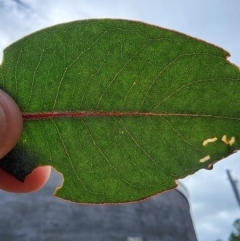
x=84, y=114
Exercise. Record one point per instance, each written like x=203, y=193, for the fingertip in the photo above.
x=11, y=123
x=33, y=182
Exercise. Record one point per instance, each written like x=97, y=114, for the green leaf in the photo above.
x=122, y=109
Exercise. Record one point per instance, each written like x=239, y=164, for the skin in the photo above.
x=11, y=125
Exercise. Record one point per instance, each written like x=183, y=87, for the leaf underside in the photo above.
x=120, y=108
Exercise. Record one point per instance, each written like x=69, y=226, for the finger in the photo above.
x=33, y=182
x=11, y=123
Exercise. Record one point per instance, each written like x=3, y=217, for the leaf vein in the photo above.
x=71, y=64
x=69, y=158
x=142, y=149
x=104, y=156
x=180, y=136
x=116, y=75
x=34, y=75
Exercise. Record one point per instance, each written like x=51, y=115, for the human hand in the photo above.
x=11, y=124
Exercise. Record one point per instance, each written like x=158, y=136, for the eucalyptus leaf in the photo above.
x=121, y=108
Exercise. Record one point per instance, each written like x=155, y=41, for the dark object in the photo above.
x=18, y=163
x=234, y=183
x=40, y=216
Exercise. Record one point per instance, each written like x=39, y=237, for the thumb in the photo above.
x=11, y=123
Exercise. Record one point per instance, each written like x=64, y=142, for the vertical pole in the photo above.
x=234, y=186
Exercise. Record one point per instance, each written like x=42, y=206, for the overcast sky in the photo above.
x=217, y=21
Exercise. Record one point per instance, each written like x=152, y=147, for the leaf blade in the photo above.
x=169, y=80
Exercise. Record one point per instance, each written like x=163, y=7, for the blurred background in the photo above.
x=213, y=205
